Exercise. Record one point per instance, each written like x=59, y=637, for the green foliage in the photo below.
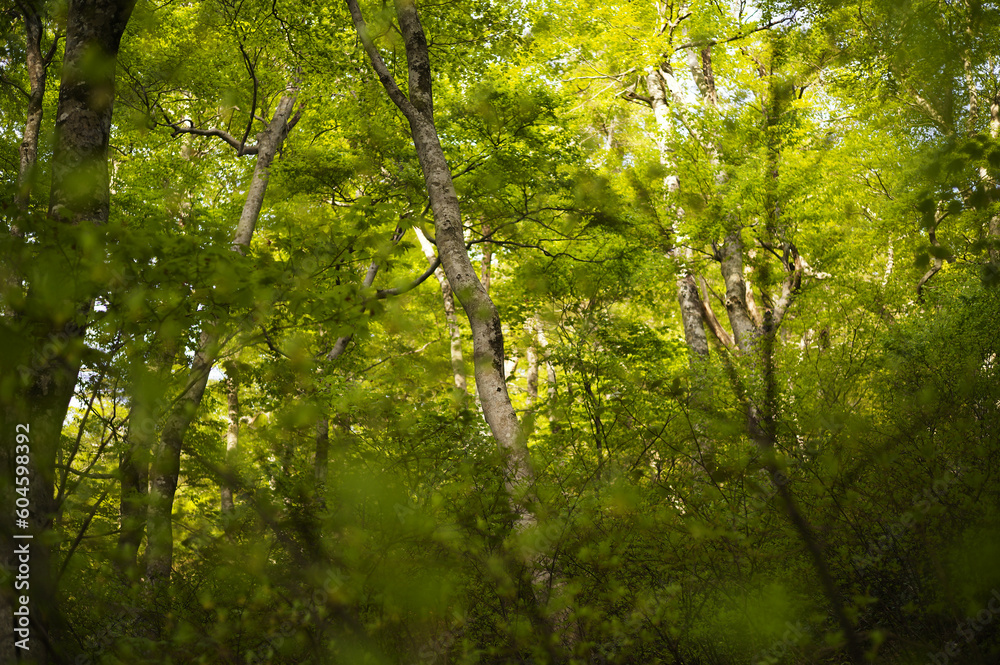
x=667, y=530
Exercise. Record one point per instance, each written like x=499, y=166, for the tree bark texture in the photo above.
x=744, y=331
x=83, y=119
x=487, y=336
x=37, y=65
x=269, y=142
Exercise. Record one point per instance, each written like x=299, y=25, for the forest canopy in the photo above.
x=481, y=332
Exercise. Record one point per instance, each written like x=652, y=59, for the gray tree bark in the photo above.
x=269, y=142
x=227, y=506
x=448, y=298
x=165, y=468
x=487, y=337
x=37, y=66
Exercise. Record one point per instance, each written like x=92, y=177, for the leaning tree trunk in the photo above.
x=487, y=336
x=165, y=469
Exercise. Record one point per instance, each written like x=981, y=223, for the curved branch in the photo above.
x=240, y=148
x=399, y=290
x=384, y=76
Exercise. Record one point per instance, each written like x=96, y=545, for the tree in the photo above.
x=53, y=324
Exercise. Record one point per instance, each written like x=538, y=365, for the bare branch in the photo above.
x=740, y=35
x=240, y=148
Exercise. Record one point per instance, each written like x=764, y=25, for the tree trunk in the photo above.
x=531, y=356
x=49, y=367
x=232, y=441
x=269, y=142
x=133, y=466
x=454, y=332
x=994, y=224
x=164, y=475
x=83, y=120
x=487, y=336
x=692, y=317
x=37, y=65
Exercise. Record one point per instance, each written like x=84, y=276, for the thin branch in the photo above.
x=252, y=69
x=83, y=530
x=385, y=293
x=405, y=353
x=240, y=148
x=740, y=35
x=14, y=84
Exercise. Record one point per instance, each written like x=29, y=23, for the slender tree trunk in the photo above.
x=994, y=225
x=692, y=318
x=133, y=466
x=745, y=333
x=454, y=331
x=232, y=441
x=531, y=378
x=164, y=474
x=487, y=336
x=37, y=64
x=269, y=142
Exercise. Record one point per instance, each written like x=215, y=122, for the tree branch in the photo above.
x=388, y=82
x=720, y=333
x=385, y=293
x=240, y=148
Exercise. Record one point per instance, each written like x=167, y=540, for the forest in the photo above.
x=454, y=332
